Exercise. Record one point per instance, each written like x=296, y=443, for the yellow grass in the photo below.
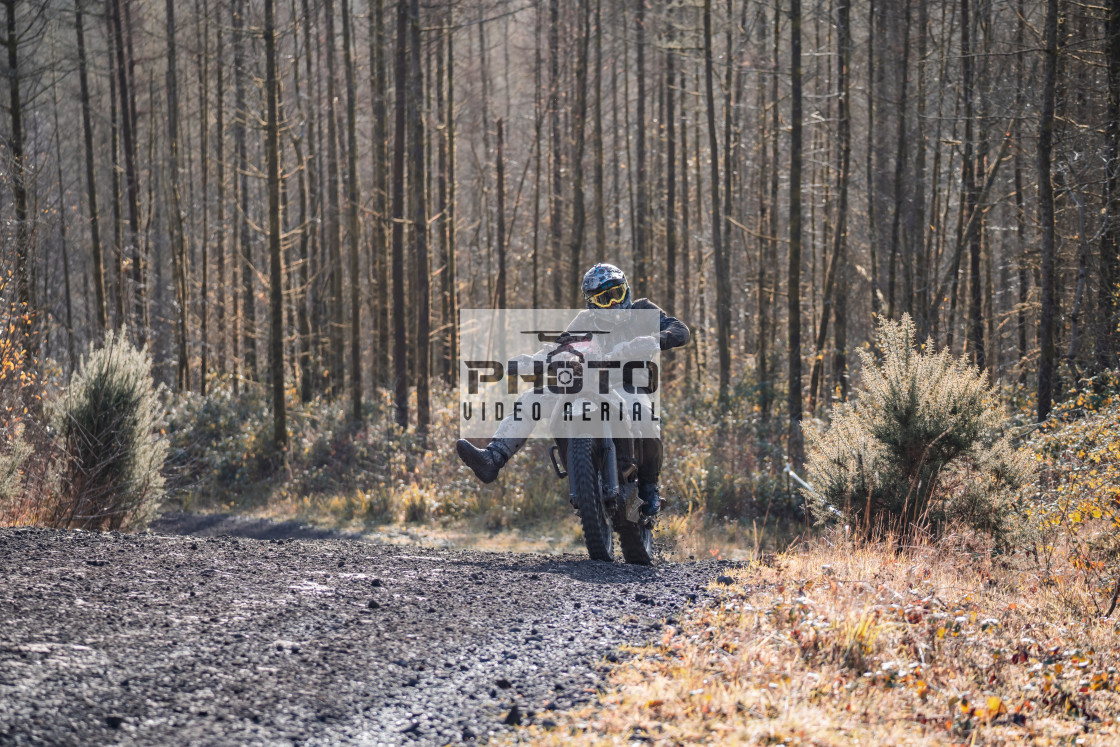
x=839, y=643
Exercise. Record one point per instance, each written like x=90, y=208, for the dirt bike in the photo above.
x=601, y=468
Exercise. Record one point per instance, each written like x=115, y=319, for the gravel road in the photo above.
x=149, y=639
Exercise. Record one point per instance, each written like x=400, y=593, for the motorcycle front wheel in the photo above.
x=587, y=487
x=637, y=542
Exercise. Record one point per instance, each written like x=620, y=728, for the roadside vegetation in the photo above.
x=839, y=641
x=959, y=583
x=958, y=630
x=382, y=480
x=217, y=455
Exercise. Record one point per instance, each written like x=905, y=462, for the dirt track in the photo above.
x=148, y=639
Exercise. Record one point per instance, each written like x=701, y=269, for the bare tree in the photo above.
x=400, y=349
x=839, y=245
x=419, y=226
x=969, y=189
x=91, y=183
x=275, y=264
x=352, y=226
x=723, y=280
x=331, y=224
x=641, y=177
x=248, y=294
x=1108, y=298
x=175, y=215
x=579, y=117
x=556, y=197
x=1048, y=317
x=796, y=448
x=132, y=186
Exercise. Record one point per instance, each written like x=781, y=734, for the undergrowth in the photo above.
x=842, y=640
x=719, y=471
x=378, y=473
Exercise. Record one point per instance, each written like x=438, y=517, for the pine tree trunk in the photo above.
x=332, y=223
x=796, y=448
x=63, y=238
x=836, y=267
x=537, y=89
x=301, y=294
x=248, y=300
x=275, y=272
x=175, y=216
x=500, y=178
x=91, y=184
x=772, y=222
x=872, y=224
x=670, y=120
x=1108, y=297
x=379, y=155
x=723, y=280
x=685, y=304
x=25, y=232
x=132, y=187
x=762, y=317
x=579, y=117
x=729, y=105
x=600, y=211
x=968, y=187
x=202, y=64
x=422, y=294
x=1023, y=272
x=353, y=227
x=482, y=192
x=222, y=335
x=400, y=335
x=915, y=288
x=119, y=285
x=451, y=279
x=556, y=206
x=641, y=204
x=1048, y=319
x=443, y=369
x=901, y=155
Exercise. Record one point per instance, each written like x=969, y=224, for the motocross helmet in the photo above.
x=605, y=287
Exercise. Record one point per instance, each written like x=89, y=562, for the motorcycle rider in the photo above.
x=604, y=287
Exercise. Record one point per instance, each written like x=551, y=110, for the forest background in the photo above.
x=288, y=203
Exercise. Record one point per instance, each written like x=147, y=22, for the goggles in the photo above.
x=605, y=298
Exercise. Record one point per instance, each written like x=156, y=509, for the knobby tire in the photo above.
x=636, y=541
x=584, y=476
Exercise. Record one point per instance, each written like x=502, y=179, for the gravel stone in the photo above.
x=281, y=643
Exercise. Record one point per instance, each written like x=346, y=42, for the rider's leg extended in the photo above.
x=507, y=441
x=487, y=462
x=649, y=470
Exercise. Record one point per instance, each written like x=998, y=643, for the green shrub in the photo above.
x=107, y=425
x=220, y=442
x=918, y=447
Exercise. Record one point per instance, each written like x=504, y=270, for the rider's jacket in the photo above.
x=673, y=331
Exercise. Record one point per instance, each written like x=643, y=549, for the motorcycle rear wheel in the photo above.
x=586, y=483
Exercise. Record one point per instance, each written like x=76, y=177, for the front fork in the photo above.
x=612, y=485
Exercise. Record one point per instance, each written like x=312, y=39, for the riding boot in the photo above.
x=485, y=463
x=651, y=498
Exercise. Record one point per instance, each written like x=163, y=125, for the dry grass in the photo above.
x=837, y=643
